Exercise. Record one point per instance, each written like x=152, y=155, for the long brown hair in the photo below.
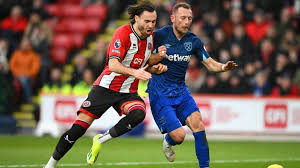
x=139, y=8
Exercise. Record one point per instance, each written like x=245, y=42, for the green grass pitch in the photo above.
x=28, y=151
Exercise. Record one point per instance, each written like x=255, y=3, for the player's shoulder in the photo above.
x=163, y=30
x=194, y=38
x=162, y=33
x=124, y=30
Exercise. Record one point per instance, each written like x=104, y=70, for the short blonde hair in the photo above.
x=179, y=5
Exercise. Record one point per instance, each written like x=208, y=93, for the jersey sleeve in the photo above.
x=119, y=45
x=200, y=51
x=158, y=39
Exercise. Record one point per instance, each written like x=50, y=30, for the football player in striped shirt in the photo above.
x=127, y=62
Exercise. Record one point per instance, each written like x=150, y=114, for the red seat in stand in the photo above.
x=62, y=41
x=96, y=11
x=72, y=10
x=59, y=55
x=76, y=26
x=93, y=24
x=77, y=39
x=78, y=2
x=53, y=9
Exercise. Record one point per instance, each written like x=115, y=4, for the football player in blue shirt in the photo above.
x=171, y=103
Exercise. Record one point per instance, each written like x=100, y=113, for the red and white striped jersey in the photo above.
x=132, y=52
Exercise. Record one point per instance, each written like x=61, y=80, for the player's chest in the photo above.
x=179, y=52
x=177, y=46
x=138, y=52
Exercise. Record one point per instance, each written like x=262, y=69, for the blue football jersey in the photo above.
x=179, y=52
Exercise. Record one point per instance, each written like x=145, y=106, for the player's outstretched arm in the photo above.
x=215, y=66
x=158, y=68
x=157, y=57
x=115, y=66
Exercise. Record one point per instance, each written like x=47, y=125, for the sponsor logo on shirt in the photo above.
x=177, y=57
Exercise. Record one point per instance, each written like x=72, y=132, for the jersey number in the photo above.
x=138, y=61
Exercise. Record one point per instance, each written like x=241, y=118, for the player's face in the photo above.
x=146, y=23
x=182, y=20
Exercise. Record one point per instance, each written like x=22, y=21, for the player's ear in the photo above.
x=136, y=18
x=172, y=18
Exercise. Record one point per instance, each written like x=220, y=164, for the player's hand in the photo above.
x=162, y=51
x=142, y=74
x=230, y=65
x=160, y=68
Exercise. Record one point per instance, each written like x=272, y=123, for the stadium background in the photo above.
x=52, y=50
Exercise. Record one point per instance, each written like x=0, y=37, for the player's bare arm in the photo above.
x=158, y=68
x=215, y=66
x=157, y=57
x=115, y=66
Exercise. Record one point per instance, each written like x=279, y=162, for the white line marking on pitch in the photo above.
x=157, y=163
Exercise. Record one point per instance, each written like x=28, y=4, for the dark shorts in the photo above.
x=171, y=113
x=100, y=99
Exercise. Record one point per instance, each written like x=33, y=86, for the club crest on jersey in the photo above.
x=188, y=46
x=149, y=46
x=86, y=104
x=117, y=44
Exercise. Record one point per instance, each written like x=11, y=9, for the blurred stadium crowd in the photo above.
x=59, y=46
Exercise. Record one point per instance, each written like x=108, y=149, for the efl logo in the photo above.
x=206, y=113
x=276, y=116
x=65, y=111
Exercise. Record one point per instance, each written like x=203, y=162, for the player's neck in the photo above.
x=138, y=32
x=177, y=33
